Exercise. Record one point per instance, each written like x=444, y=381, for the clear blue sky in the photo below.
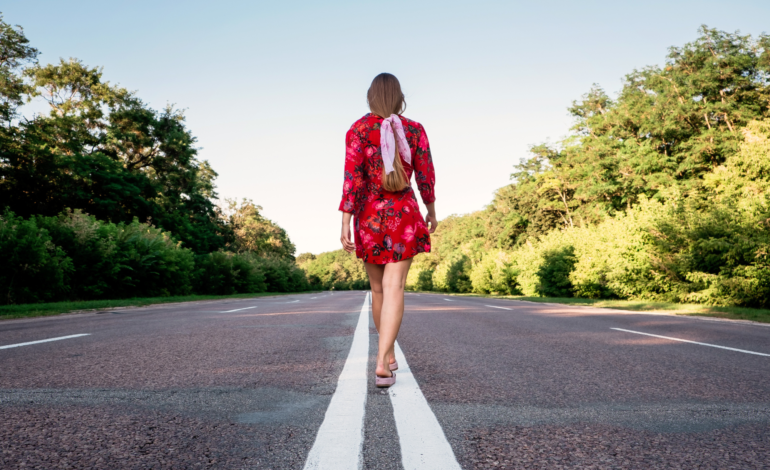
x=271, y=87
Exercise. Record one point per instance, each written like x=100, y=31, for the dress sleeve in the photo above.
x=423, y=169
x=353, y=185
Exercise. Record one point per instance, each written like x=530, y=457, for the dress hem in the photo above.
x=392, y=260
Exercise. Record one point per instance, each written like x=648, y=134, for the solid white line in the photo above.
x=423, y=443
x=494, y=306
x=340, y=438
x=238, y=309
x=43, y=341
x=693, y=342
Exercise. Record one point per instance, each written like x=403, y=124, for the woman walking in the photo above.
x=383, y=149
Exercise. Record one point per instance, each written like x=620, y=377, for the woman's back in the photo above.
x=388, y=224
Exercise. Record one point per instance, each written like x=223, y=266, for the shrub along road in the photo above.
x=484, y=383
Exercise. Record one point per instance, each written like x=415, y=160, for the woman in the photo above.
x=383, y=150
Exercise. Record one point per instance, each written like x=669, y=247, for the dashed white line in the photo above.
x=692, y=342
x=449, y=300
x=340, y=438
x=495, y=306
x=43, y=341
x=238, y=309
x=293, y=301
x=423, y=443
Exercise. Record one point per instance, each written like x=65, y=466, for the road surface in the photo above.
x=287, y=383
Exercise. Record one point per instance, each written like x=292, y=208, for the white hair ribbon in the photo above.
x=391, y=134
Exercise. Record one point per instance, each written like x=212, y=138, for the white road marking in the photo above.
x=238, y=309
x=693, y=342
x=313, y=297
x=449, y=300
x=423, y=443
x=43, y=341
x=340, y=438
x=293, y=301
x=494, y=306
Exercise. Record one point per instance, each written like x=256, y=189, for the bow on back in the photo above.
x=392, y=134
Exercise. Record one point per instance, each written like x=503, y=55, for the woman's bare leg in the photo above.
x=375, y=272
x=391, y=313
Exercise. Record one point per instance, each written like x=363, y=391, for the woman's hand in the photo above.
x=347, y=243
x=432, y=222
x=430, y=218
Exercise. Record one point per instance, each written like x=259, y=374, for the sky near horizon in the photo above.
x=270, y=88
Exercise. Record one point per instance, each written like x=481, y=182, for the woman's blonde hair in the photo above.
x=385, y=98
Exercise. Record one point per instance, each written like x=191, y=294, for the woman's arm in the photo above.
x=352, y=186
x=424, y=174
x=354, y=168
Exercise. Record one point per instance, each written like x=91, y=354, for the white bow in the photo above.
x=391, y=134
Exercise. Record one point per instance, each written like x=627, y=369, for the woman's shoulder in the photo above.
x=366, y=122
x=412, y=124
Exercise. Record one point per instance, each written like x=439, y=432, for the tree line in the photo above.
x=660, y=193
x=105, y=197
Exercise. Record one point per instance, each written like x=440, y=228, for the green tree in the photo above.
x=15, y=54
x=254, y=233
x=100, y=149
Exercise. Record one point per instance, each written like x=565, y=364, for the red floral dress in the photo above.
x=388, y=225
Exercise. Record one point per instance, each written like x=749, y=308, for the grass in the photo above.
x=733, y=313
x=57, y=308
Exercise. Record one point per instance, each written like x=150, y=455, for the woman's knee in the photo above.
x=376, y=287
x=393, y=285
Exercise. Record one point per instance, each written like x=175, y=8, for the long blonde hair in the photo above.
x=385, y=98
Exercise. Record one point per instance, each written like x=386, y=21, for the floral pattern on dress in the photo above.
x=388, y=226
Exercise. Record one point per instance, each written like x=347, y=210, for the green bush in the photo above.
x=282, y=275
x=92, y=247
x=74, y=256
x=495, y=274
x=453, y=274
x=717, y=254
x=32, y=268
x=119, y=260
x=222, y=273
x=554, y=273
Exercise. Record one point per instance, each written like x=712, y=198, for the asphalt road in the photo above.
x=287, y=383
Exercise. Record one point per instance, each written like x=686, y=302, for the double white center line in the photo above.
x=339, y=441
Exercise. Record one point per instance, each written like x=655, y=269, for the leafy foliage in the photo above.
x=662, y=193
x=100, y=149
x=338, y=270
x=255, y=234
x=105, y=198
x=32, y=268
